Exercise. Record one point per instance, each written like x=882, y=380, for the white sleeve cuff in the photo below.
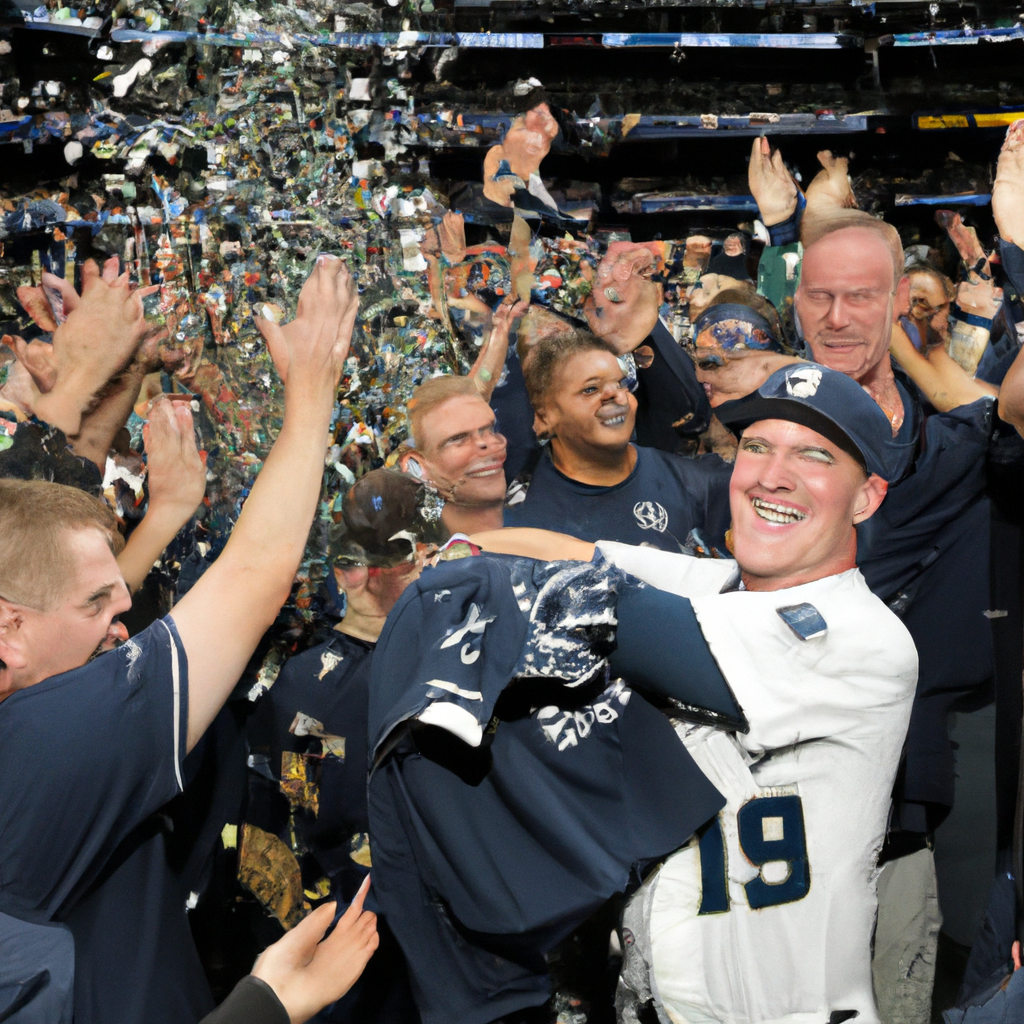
x=454, y=719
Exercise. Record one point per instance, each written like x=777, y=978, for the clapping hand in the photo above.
x=319, y=337
x=771, y=184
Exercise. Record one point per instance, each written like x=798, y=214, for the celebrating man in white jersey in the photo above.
x=766, y=915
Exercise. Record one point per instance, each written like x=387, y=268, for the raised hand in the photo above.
x=831, y=185
x=100, y=337
x=964, y=238
x=979, y=295
x=1008, y=188
x=489, y=362
x=308, y=974
x=176, y=469
x=771, y=185
x=319, y=337
x=623, y=304
x=50, y=303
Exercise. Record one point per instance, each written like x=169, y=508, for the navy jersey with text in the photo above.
x=514, y=786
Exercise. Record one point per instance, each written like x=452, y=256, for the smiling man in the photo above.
x=455, y=445
x=766, y=916
x=590, y=479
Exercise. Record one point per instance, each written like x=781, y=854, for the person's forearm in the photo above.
x=943, y=382
x=487, y=368
x=99, y=428
x=146, y=544
x=63, y=407
x=275, y=522
x=244, y=589
x=544, y=545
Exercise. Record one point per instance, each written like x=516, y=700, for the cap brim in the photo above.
x=739, y=414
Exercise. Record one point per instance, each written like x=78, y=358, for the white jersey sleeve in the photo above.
x=679, y=574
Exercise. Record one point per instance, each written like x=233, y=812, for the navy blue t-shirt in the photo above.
x=658, y=504
x=671, y=404
x=89, y=757
x=926, y=552
x=326, y=690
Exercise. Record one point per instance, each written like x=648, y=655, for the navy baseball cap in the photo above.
x=825, y=400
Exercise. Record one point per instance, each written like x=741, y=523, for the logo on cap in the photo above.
x=803, y=383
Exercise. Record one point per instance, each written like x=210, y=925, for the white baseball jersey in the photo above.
x=767, y=917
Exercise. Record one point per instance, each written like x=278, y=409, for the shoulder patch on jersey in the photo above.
x=804, y=619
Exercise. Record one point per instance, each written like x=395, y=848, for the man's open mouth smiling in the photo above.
x=774, y=512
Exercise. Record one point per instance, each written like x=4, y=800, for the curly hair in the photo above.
x=550, y=353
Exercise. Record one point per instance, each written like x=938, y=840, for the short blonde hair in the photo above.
x=432, y=393
x=817, y=226
x=36, y=565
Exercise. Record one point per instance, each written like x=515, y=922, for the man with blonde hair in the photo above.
x=94, y=741
x=455, y=445
x=926, y=551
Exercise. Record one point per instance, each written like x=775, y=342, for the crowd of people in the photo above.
x=635, y=703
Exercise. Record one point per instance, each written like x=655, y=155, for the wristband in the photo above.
x=789, y=230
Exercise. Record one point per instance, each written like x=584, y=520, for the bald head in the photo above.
x=818, y=226
x=851, y=280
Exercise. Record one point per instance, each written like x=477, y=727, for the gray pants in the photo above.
x=906, y=939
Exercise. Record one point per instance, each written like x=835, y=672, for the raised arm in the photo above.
x=487, y=368
x=222, y=618
x=1008, y=211
x=942, y=380
x=177, y=483
x=1008, y=188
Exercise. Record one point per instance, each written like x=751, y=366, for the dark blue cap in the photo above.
x=825, y=400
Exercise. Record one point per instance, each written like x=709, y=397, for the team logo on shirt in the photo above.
x=329, y=661
x=650, y=515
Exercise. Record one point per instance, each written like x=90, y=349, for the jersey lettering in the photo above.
x=772, y=836
x=714, y=882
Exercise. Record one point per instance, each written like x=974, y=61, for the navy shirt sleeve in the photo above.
x=514, y=413
x=98, y=749
x=671, y=401
x=1012, y=257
